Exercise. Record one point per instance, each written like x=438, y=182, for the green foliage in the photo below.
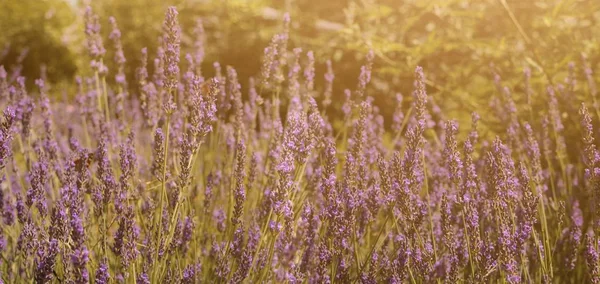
x=456, y=41
x=470, y=50
x=37, y=30
x=237, y=31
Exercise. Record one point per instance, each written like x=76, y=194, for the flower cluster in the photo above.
x=187, y=179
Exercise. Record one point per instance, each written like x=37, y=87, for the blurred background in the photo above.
x=461, y=44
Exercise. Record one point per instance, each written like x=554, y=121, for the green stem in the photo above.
x=105, y=95
x=356, y=259
x=163, y=194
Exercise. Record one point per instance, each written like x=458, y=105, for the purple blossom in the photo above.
x=94, y=41
x=79, y=259
x=352, y=190
x=126, y=238
x=591, y=256
x=191, y=274
x=451, y=154
x=199, y=44
x=158, y=155
x=6, y=136
x=102, y=274
x=296, y=137
x=46, y=259
x=365, y=74
x=143, y=278
x=171, y=41
x=115, y=36
x=239, y=175
x=309, y=71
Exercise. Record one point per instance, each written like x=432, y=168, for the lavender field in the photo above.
x=157, y=169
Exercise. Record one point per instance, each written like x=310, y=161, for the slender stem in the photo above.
x=163, y=193
x=105, y=95
x=98, y=93
x=374, y=245
x=356, y=259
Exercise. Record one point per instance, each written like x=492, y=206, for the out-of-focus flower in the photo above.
x=172, y=42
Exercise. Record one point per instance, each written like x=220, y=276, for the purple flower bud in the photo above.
x=199, y=43
x=158, y=154
x=191, y=274
x=239, y=175
x=143, y=278
x=45, y=262
x=591, y=256
x=6, y=136
x=309, y=71
x=79, y=259
x=365, y=74
x=94, y=40
x=171, y=41
x=126, y=238
x=102, y=274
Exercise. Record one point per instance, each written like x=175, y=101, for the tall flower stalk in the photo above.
x=184, y=178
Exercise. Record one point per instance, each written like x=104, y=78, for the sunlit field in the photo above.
x=299, y=142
